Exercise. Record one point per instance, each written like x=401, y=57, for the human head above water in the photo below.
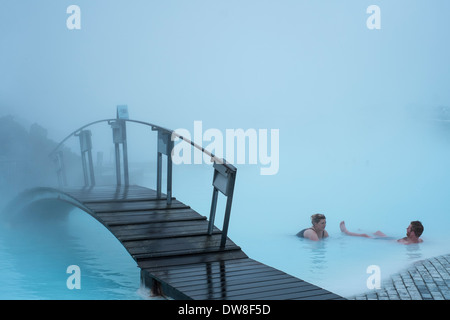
x=417, y=227
x=315, y=218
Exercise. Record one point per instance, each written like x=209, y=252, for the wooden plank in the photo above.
x=130, y=220
x=159, y=227
x=261, y=289
x=313, y=294
x=267, y=294
x=217, y=286
x=143, y=217
x=258, y=287
x=143, y=249
x=170, y=244
x=201, y=266
x=111, y=193
x=316, y=294
x=152, y=226
x=231, y=275
x=237, y=279
x=238, y=286
x=150, y=231
x=157, y=214
x=190, y=259
x=206, y=271
x=209, y=273
x=133, y=205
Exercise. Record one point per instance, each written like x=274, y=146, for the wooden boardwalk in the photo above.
x=171, y=246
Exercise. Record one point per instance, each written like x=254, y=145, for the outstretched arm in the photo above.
x=344, y=230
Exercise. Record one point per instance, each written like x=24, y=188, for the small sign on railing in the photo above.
x=122, y=112
x=223, y=181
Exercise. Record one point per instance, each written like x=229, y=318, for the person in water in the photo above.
x=317, y=231
x=413, y=233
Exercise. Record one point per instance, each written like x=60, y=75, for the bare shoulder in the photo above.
x=407, y=241
x=310, y=234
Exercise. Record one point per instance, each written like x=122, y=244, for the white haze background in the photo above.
x=356, y=108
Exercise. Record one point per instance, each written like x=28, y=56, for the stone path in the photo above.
x=424, y=280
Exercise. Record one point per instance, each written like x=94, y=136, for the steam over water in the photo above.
x=376, y=173
x=362, y=116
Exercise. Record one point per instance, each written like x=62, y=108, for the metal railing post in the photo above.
x=125, y=153
x=212, y=213
x=169, y=176
x=159, y=175
x=60, y=168
x=117, y=157
x=223, y=181
x=91, y=167
x=119, y=129
x=86, y=151
x=226, y=220
x=165, y=146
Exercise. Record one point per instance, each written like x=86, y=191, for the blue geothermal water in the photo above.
x=372, y=181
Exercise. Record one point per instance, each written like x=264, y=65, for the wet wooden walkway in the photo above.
x=171, y=246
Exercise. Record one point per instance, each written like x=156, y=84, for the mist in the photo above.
x=312, y=70
x=362, y=114
x=262, y=64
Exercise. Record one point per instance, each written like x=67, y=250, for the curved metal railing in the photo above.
x=224, y=175
x=154, y=127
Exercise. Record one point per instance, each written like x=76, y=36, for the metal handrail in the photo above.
x=223, y=179
x=154, y=127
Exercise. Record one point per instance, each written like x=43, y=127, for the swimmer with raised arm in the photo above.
x=413, y=233
x=317, y=231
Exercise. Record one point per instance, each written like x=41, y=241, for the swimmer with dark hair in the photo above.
x=317, y=231
x=413, y=233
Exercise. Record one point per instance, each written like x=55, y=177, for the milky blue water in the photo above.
x=383, y=185
x=355, y=109
x=34, y=261
x=377, y=178
x=264, y=225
